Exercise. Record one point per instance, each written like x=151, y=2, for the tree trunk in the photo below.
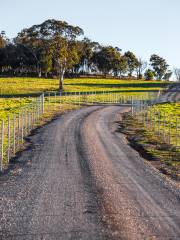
x=61, y=79
x=39, y=73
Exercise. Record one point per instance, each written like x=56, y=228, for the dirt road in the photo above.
x=81, y=180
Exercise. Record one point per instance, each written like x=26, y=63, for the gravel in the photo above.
x=81, y=180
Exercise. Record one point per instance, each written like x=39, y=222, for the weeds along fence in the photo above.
x=162, y=124
x=16, y=127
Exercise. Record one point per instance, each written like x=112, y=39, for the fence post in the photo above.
x=132, y=107
x=9, y=139
x=42, y=103
x=37, y=112
x=79, y=99
x=55, y=101
x=154, y=120
x=170, y=123
x=144, y=114
x=159, y=122
x=14, y=135
x=2, y=145
x=25, y=122
x=22, y=127
x=60, y=101
x=49, y=95
x=164, y=126
x=32, y=113
x=150, y=116
x=147, y=117
x=176, y=131
x=18, y=137
x=29, y=125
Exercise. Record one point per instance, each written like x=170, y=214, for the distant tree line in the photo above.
x=57, y=49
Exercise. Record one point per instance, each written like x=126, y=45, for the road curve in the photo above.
x=81, y=180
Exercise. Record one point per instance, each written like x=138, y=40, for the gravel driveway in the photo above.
x=81, y=180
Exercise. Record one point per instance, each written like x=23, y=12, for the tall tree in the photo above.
x=65, y=56
x=167, y=75
x=61, y=39
x=107, y=59
x=141, y=66
x=177, y=74
x=123, y=66
x=34, y=46
x=132, y=62
x=87, y=51
x=3, y=39
x=159, y=66
x=3, y=42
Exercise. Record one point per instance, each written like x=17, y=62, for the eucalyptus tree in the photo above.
x=3, y=43
x=53, y=38
x=34, y=46
x=167, y=76
x=132, y=62
x=65, y=56
x=3, y=39
x=107, y=59
x=159, y=66
x=141, y=66
x=122, y=66
x=177, y=74
x=149, y=74
x=88, y=48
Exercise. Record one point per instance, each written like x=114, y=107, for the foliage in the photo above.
x=159, y=66
x=12, y=106
x=149, y=74
x=141, y=66
x=163, y=156
x=55, y=39
x=132, y=62
x=167, y=75
x=107, y=59
x=55, y=49
x=177, y=74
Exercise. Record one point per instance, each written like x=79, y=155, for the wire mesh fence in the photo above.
x=16, y=127
x=163, y=124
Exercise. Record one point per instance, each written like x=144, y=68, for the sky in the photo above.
x=143, y=26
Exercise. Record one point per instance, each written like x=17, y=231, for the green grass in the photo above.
x=164, y=121
x=170, y=115
x=112, y=85
x=10, y=106
x=13, y=87
x=163, y=156
x=28, y=86
x=170, y=109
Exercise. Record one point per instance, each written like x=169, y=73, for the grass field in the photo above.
x=171, y=109
x=121, y=91
x=11, y=106
x=164, y=157
x=163, y=120
x=14, y=87
x=28, y=86
x=169, y=118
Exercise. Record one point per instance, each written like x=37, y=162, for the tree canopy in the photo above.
x=159, y=66
x=56, y=48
